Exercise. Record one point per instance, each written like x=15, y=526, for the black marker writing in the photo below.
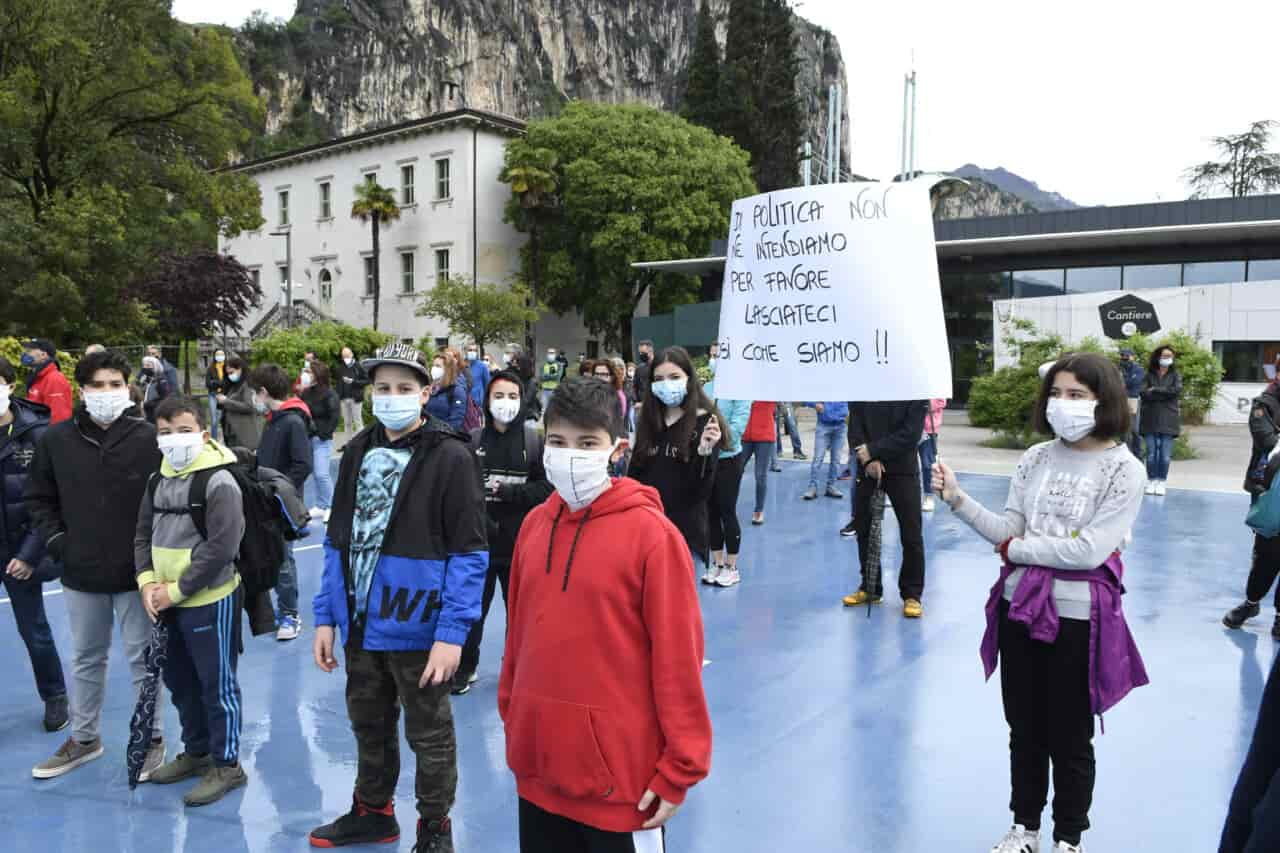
x=828, y=352
x=789, y=315
x=799, y=279
x=773, y=247
x=771, y=214
x=760, y=352
x=867, y=206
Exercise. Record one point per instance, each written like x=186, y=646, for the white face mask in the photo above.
x=505, y=410
x=1166, y=362
x=106, y=407
x=305, y=380
x=580, y=476
x=219, y=358
x=5, y=391
x=348, y=361
x=181, y=449
x=437, y=373
x=1072, y=420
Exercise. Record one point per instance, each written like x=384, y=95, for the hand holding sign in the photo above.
x=832, y=292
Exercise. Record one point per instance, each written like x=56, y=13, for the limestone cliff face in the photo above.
x=983, y=199
x=386, y=61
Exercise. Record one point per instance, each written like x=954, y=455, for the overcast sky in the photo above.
x=1104, y=101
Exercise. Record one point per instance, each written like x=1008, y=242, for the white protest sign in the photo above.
x=831, y=292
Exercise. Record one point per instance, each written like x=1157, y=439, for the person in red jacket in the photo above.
x=601, y=690
x=45, y=383
x=758, y=445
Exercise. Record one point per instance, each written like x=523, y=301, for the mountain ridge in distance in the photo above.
x=1015, y=184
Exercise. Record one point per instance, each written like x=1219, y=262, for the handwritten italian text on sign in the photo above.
x=831, y=293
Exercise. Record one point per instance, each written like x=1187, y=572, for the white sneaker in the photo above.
x=927, y=504
x=316, y=512
x=290, y=628
x=729, y=577
x=1151, y=487
x=1064, y=847
x=1159, y=487
x=1019, y=840
x=325, y=515
x=713, y=571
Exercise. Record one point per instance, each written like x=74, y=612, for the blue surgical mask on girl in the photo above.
x=397, y=411
x=671, y=391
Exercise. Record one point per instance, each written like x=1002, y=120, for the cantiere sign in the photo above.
x=1127, y=316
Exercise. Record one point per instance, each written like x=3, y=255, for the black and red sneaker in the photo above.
x=434, y=836
x=364, y=824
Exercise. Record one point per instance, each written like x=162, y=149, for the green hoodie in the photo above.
x=168, y=548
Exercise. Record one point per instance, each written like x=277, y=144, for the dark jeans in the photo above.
x=1253, y=818
x=1265, y=568
x=499, y=574
x=544, y=832
x=761, y=452
x=378, y=683
x=904, y=491
x=1045, y=687
x=27, y=598
x=722, y=511
x=1159, y=454
x=928, y=452
x=204, y=648
x=287, y=585
x=784, y=415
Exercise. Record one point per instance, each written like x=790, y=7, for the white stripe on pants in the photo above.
x=649, y=841
x=91, y=616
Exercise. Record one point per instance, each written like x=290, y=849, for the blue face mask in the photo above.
x=27, y=360
x=671, y=391
x=397, y=411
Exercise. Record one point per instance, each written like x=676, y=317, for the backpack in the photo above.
x=474, y=418
x=267, y=524
x=1264, y=515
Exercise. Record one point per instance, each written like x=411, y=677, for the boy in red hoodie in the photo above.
x=601, y=689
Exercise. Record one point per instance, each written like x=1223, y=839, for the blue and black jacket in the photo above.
x=430, y=575
x=19, y=538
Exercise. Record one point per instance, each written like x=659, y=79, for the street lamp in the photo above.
x=288, y=275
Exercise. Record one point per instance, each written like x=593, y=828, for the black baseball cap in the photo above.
x=403, y=355
x=41, y=344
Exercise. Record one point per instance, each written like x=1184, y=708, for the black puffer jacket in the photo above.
x=83, y=492
x=18, y=537
x=326, y=410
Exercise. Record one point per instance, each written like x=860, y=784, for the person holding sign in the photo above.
x=883, y=437
x=1054, y=620
x=679, y=432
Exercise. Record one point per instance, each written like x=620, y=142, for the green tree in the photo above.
x=376, y=206
x=634, y=184
x=1247, y=167
x=288, y=346
x=761, y=109
x=702, y=96
x=115, y=120
x=484, y=313
x=531, y=173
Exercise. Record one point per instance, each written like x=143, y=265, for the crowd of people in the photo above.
x=591, y=502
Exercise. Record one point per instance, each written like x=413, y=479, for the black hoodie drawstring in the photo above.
x=573, y=548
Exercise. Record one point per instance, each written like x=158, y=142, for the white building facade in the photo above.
x=444, y=171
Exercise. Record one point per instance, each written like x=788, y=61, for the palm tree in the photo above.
x=377, y=205
x=531, y=172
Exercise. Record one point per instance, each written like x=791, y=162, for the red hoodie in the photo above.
x=601, y=688
x=51, y=389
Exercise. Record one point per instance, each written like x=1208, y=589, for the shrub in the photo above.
x=11, y=349
x=286, y=347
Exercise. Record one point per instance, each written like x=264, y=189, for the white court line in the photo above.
x=307, y=548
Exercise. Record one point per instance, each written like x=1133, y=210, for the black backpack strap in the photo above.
x=532, y=444
x=196, y=497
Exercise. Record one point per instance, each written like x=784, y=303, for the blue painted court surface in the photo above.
x=833, y=731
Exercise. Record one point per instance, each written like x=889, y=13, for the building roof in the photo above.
x=1191, y=226
x=484, y=119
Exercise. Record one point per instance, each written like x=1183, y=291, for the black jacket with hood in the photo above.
x=19, y=538
x=513, y=460
x=891, y=431
x=83, y=492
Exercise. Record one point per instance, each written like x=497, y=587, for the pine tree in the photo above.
x=702, y=96
x=739, y=113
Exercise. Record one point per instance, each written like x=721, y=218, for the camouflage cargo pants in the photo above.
x=378, y=684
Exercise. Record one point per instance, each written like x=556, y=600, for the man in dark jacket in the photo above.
x=883, y=438
x=286, y=447
x=1133, y=375
x=22, y=425
x=350, y=380
x=84, y=488
x=644, y=367
x=508, y=451
x=1264, y=429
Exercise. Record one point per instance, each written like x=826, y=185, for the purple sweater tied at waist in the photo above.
x=1115, y=666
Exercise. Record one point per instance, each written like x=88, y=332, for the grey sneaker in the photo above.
x=69, y=756
x=811, y=493
x=216, y=784
x=833, y=492
x=155, y=758
x=183, y=767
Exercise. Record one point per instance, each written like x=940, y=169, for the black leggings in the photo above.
x=1266, y=565
x=726, y=532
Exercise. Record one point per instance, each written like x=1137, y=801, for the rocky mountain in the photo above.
x=983, y=199
x=350, y=65
x=1017, y=185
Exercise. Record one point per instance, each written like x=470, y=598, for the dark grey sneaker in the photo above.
x=55, y=714
x=1240, y=614
x=833, y=492
x=183, y=767
x=434, y=836
x=69, y=756
x=216, y=784
x=462, y=682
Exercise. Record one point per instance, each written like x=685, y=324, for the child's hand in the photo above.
x=147, y=596
x=944, y=483
x=160, y=600
x=442, y=663
x=665, y=812
x=322, y=648
x=711, y=433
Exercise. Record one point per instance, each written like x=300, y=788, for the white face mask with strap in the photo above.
x=579, y=476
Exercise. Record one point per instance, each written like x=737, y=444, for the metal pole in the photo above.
x=831, y=129
x=906, y=94
x=288, y=281
x=835, y=150
x=912, y=165
x=808, y=161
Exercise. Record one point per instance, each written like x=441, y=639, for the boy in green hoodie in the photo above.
x=180, y=570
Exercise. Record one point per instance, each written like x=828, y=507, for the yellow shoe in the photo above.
x=860, y=597
x=912, y=609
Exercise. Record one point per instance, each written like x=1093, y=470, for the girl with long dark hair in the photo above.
x=1160, y=415
x=677, y=437
x=326, y=408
